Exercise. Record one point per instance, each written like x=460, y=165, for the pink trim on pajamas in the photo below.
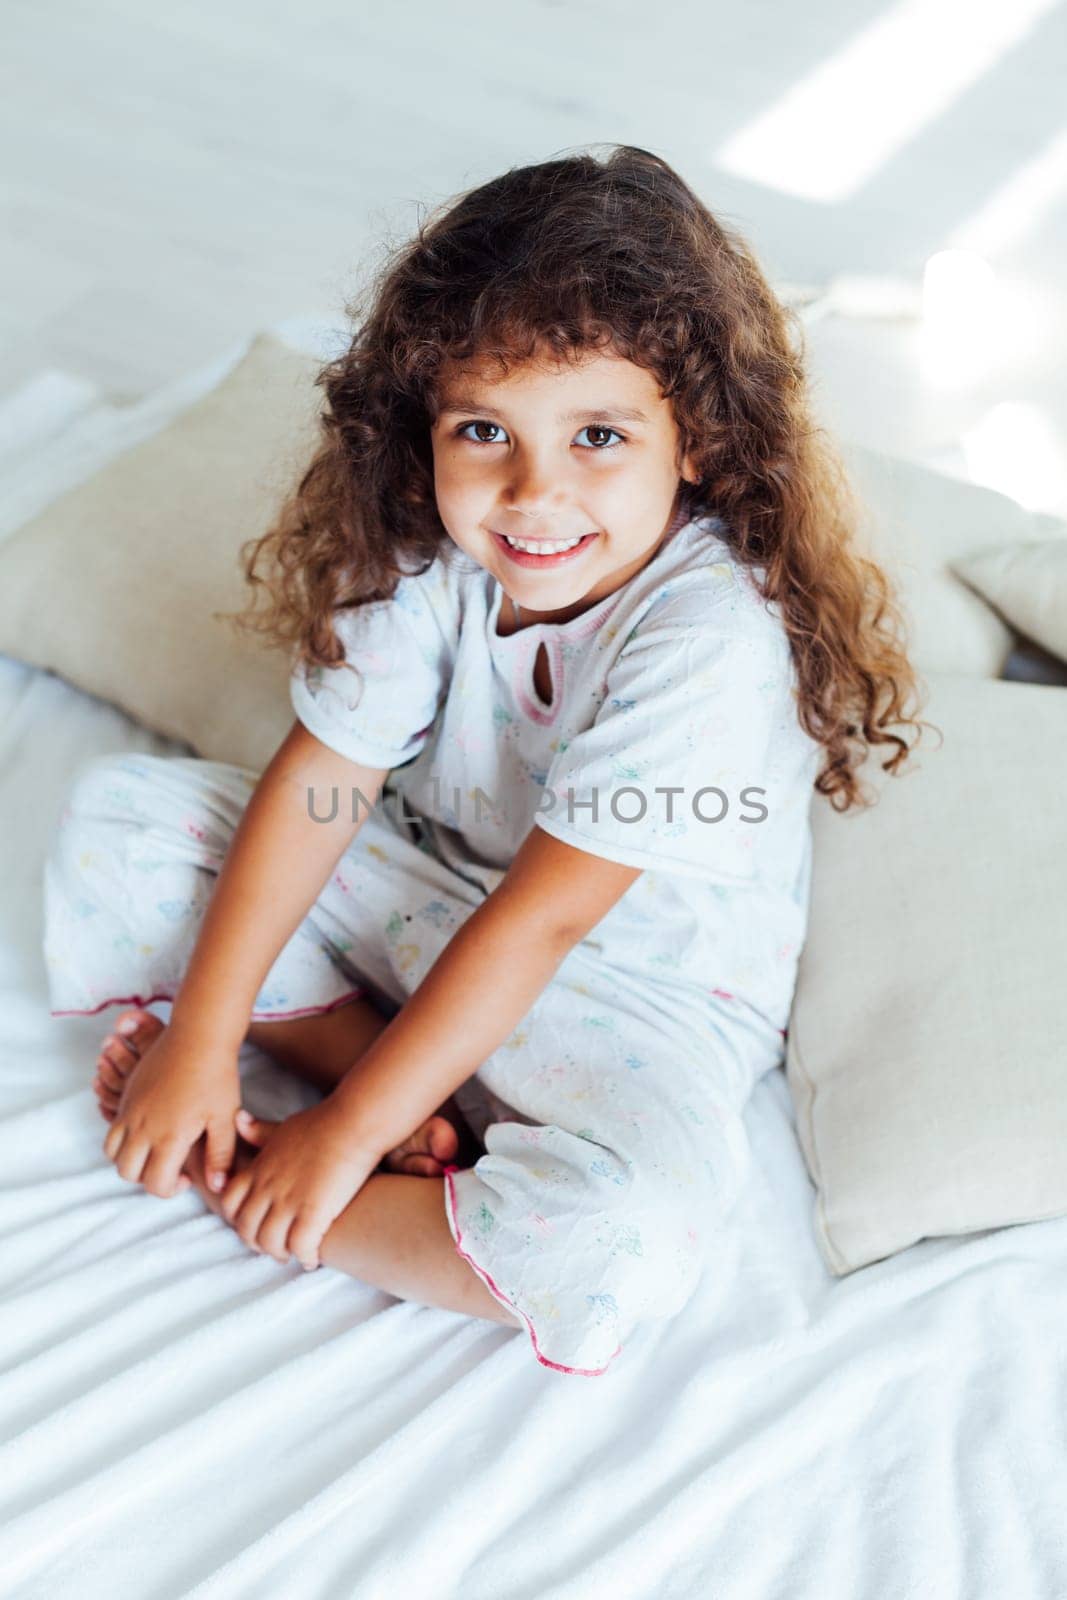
x=257, y=1016
x=498, y=1294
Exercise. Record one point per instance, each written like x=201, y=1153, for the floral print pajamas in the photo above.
x=611, y=1116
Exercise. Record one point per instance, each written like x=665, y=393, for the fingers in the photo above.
x=157, y=1167
x=162, y=1170
x=283, y=1233
x=250, y=1219
x=234, y=1194
x=221, y=1142
x=274, y=1231
x=305, y=1240
x=128, y=1151
x=269, y=1224
x=133, y=1155
x=113, y=1139
x=233, y=1202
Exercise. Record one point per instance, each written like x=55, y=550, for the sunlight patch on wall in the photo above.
x=1016, y=208
x=833, y=129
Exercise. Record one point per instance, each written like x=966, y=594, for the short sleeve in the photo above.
x=693, y=748
x=379, y=705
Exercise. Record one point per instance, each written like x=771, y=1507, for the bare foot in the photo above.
x=442, y=1140
x=119, y=1054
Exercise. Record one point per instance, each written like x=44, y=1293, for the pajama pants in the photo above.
x=610, y=1116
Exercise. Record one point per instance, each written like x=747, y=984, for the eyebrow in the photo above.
x=468, y=401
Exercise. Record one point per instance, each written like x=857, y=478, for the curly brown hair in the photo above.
x=571, y=255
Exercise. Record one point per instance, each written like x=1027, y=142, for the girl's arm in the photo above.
x=479, y=989
x=476, y=993
x=277, y=862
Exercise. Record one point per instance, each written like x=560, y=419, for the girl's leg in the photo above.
x=320, y=1049
x=146, y=834
x=394, y=1235
x=140, y=841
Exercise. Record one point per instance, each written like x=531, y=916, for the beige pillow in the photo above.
x=927, y=1046
x=113, y=585
x=1027, y=583
x=917, y=523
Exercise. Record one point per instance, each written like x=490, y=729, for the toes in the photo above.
x=414, y=1165
x=442, y=1140
x=412, y=1160
x=428, y=1150
x=423, y=1167
x=134, y=1017
x=137, y=1028
x=120, y=1052
x=111, y=1076
x=107, y=1102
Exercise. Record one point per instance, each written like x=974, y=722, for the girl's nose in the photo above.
x=535, y=490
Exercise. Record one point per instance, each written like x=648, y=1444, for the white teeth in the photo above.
x=543, y=547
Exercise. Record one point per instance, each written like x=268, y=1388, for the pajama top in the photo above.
x=671, y=743
x=611, y=1115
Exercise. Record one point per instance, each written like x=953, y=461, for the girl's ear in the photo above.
x=689, y=470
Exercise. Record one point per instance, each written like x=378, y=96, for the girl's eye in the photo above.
x=461, y=433
x=591, y=427
x=602, y=427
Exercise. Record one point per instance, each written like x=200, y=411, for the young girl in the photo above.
x=579, y=629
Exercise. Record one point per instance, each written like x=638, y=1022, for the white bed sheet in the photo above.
x=181, y=1417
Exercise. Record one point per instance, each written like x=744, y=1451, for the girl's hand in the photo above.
x=183, y=1086
x=308, y=1169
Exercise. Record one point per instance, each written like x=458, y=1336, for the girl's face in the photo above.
x=557, y=452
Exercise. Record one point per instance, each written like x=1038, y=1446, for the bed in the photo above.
x=181, y=1417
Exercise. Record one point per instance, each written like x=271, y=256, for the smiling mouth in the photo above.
x=542, y=552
